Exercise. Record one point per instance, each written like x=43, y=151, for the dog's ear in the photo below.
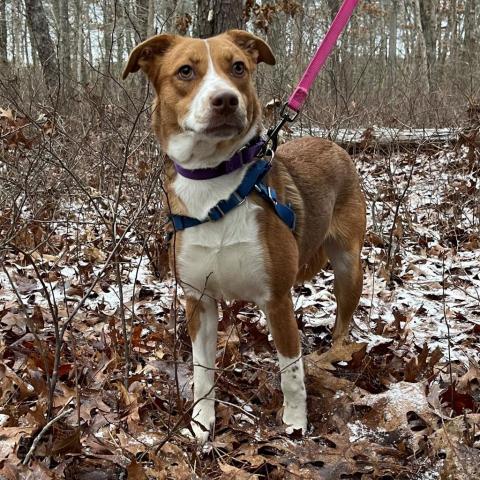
x=253, y=45
x=144, y=53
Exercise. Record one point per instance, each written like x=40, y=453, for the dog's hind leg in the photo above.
x=283, y=326
x=347, y=269
x=202, y=322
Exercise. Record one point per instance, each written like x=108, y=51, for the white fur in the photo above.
x=204, y=349
x=223, y=259
x=294, y=394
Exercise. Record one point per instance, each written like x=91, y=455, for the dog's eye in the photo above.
x=238, y=69
x=185, y=72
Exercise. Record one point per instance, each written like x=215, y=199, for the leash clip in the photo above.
x=284, y=113
x=272, y=134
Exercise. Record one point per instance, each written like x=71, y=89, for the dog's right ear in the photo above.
x=143, y=55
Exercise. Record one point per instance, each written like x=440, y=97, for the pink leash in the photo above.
x=298, y=97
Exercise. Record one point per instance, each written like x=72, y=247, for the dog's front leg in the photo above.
x=202, y=318
x=282, y=324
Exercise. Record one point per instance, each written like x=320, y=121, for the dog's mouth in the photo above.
x=224, y=126
x=223, y=130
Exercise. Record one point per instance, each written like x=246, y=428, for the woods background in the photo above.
x=414, y=62
x=95, y=360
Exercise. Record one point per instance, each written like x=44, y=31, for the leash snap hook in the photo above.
x=288, y=113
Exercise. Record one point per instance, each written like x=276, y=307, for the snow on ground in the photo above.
x=421, y=287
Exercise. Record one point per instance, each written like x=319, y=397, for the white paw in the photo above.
x=295, y=417
x=203, y=421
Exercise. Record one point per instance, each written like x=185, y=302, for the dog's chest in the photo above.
x=224, y=259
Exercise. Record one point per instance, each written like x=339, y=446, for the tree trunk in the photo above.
x=107, y=33
x=422, y=46
x=142, y=19
x=469, y=22
x=16, y=29
x=217, y=16
x=3, y=33
x=428, y=25
x=392, y=41
x=64, y=40
x=150, y=18
x=42, y=41
x=120, y=33
x=80, y=71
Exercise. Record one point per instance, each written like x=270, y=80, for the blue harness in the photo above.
x=253, y=181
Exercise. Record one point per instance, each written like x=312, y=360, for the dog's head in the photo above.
x=206, y=105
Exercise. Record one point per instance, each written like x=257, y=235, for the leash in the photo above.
x=300, y=94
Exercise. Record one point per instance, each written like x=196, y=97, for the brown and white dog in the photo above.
x=206, y=108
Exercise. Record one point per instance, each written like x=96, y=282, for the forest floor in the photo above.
x=402, y=401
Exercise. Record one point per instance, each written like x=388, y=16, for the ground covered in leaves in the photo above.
x=402, y=401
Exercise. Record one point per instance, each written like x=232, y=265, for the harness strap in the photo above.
x=252, y=181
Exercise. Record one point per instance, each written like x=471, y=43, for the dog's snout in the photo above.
x=224, y=102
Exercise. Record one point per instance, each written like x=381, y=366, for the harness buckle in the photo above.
x=271, y=195
x=215, y=213
x=239, y=198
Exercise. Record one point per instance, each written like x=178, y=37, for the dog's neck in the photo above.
x=244, y=156
x=198, y=196
x=193, y=151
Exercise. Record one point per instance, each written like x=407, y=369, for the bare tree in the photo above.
x=216, y=16
x=64, y=42
x=3, y=33
x=392, y=41
x=470, y=24
x=42, y=41
x=427, y=10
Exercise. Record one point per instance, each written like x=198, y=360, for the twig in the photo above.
x=395, y=217
x=44, y=430
x=449, y=341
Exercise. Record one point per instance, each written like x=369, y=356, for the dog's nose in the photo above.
x=224, y=102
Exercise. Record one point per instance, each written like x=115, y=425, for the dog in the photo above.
x=206, y=109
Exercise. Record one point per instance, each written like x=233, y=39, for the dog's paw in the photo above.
x=203, y=422
x=295, y=418
x=197, y=433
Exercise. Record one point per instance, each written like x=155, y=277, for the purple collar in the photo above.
x=244, y=156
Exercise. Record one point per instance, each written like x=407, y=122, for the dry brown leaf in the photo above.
x=404, y=408
x=94, y=254
x=470, y=382
x=233, y=473
x=337, y=353
x=135, y=471
x=9, y=439
x=462, y=461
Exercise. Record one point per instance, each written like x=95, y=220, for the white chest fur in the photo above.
x=223, y=259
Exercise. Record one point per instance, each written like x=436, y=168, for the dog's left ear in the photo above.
x=143, y=54
x=253, y=45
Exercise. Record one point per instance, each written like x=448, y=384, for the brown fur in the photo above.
x=161, y=56
x=316, y=176
x=193, y=309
